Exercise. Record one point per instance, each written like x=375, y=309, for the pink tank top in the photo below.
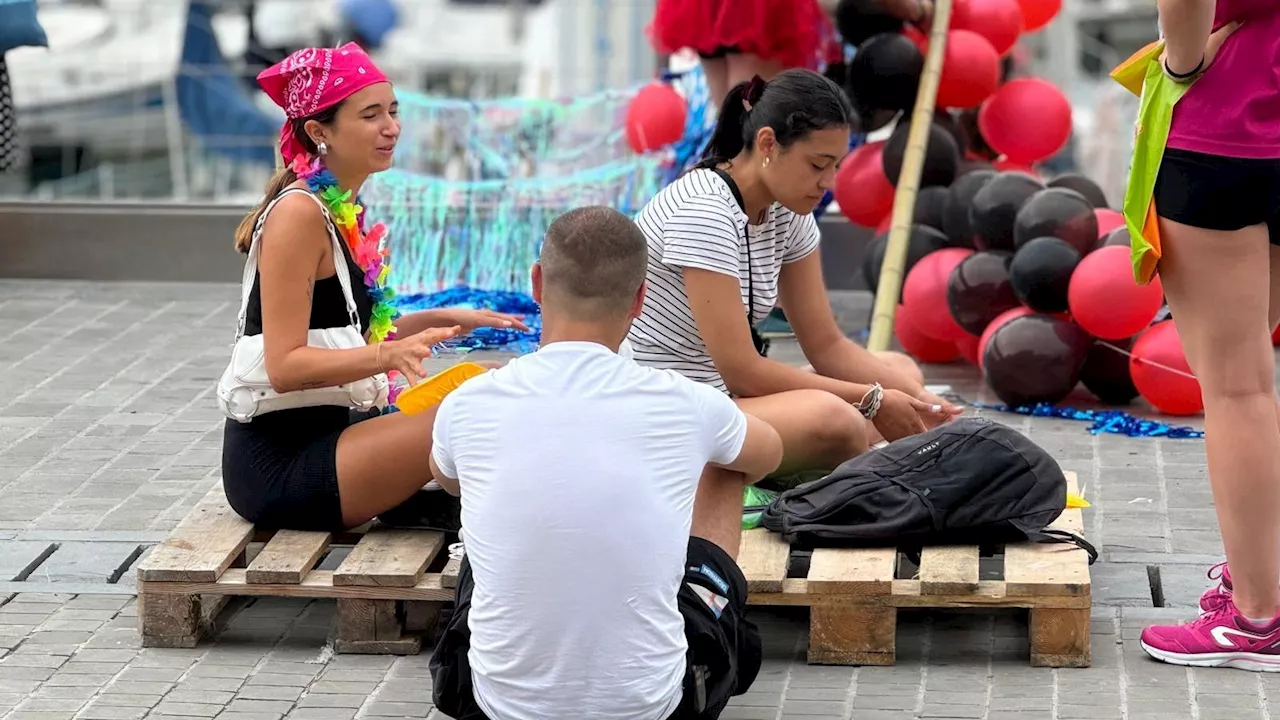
x=1233, y=110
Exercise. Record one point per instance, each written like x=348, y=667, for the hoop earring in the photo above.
x=323, y=148
x=766, y=162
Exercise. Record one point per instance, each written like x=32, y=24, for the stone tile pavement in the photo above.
x=109, y=434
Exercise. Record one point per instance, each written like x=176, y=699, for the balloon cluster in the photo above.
x=1033, y=282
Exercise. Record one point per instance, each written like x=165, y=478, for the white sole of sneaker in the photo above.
x=1253, y=662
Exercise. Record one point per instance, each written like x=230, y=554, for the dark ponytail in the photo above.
x=794, y=104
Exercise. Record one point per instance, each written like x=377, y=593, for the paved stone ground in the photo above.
x=109, y=434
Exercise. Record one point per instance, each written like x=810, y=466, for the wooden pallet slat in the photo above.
x=389, y=558
x=852, y=571
x=287, y=558
x=1050, y=568
x=949, y=570
x=763, y=558
x=202, y=546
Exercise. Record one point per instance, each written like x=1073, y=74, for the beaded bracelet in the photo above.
x=870, y=403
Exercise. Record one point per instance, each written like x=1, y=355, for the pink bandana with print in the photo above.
x=313, y=79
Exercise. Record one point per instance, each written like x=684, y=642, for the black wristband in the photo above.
x=1184, y=76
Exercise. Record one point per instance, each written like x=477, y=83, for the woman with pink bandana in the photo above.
x=326, y=467
x=1217, y=198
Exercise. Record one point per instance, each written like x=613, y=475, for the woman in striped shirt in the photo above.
x=737, y=233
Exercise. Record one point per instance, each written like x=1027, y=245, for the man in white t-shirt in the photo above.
x=601, y=512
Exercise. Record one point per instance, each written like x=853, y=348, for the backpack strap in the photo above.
x=1052, y=535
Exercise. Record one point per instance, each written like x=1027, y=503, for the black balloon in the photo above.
x=941, y=156
x=1060, y=213
x=955, y=214
x=1034, y=359
x=930, y=204
x=1041, y=273
x=885, y=74
x=922, y=241
x=860, y=20
x=995, y=209
x=1119, y=236
x=1083, y=185
x=1106, y=372
x=979, y=289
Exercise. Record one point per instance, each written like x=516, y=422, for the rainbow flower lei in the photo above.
x=366, y=248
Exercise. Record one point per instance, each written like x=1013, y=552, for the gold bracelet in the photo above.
x=377, y=357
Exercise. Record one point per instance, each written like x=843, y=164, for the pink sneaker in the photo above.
x=1213, y=598
x=1218, y=638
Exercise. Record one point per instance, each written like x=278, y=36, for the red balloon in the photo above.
x=1104, y=298
x=1157, y=365
x=970, y=70
x=1275, y=337
x=1108, y=220
x=917, y=36
x=885, y=225
x=1037, y=13
x=917, y=344
x=863, y=192
x=968, y=347
x=996, y=324
x=925, y=292
x=655, y=117
x=1027, y=120
x=999, y=21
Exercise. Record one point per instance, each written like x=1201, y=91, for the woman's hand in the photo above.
x=469, y=320
x=939, y=411
x=1216, y=40
x=901, y=415
x=405, y=355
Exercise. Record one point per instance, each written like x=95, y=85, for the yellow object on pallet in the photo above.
x=432, y=391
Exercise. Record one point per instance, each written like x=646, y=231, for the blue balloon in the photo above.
x=371, y=19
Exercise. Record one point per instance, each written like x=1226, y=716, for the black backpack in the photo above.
x=968, y=482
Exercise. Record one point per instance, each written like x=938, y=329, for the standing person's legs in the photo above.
x=1218, y=284
x=744, y=66
x=716, y=70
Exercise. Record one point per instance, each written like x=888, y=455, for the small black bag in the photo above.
x=968, y=482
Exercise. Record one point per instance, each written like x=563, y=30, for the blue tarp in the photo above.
x=213, y=102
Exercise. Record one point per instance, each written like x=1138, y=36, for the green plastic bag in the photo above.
x=1159, y=94
x=754, y=502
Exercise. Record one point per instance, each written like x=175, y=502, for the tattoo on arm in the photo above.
x=313, y=384
x=311, y=286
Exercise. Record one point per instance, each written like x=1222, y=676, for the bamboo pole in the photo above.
x=904, y=201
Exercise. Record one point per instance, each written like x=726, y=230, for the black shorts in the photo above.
x=720, y=52
x=1219, y=193
x=724, y=646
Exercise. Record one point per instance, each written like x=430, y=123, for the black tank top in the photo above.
x=328, y=306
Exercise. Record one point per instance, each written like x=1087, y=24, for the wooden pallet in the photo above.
x=854, y=594
x=390, y=588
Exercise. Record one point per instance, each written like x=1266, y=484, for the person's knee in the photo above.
x=903, y=364
x=838, y=429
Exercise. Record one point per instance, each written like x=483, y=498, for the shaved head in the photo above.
x=593, y=262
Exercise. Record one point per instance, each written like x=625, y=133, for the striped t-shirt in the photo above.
x=697, y=222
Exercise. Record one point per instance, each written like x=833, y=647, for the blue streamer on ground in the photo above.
x=1112, y=422
x=484, y=338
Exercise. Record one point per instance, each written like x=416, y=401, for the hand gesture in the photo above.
x=405, y=355
x=901, y=415
x=939, y=411
x=469, y=320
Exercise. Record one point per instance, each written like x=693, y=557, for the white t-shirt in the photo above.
x=696, y=222
x=578, y=470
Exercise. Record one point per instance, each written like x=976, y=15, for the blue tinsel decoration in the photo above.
x=1112, y=422
x=483, y=338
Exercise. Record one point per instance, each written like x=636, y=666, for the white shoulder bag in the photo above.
x=245, y=391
